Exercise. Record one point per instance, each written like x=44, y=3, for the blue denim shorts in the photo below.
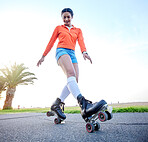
x=70, y=52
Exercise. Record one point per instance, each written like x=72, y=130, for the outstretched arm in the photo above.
x=49, y=46
x=86, y=56
x=82, y=46
x=40, y=61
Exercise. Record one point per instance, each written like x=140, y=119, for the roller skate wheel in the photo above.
x=57, y=121
x=97, y=126
x=103, y=116
x=110, y=115
x=49, y=113
x=90, y=127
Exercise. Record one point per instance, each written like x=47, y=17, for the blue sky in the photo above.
x=116, y=20
x=115, y=34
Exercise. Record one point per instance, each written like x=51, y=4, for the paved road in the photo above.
x=37, y=127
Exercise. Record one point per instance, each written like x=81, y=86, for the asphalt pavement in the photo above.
x=37, y=127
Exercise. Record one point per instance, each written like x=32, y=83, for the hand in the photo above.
x=86, y=56
x=40, y=61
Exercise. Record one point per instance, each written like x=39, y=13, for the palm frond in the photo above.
x=3, y=84
x=6, y=73
x=16, y=75
x=27, y=81
x=24, y=75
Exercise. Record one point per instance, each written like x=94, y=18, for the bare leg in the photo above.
x=67, y=66
x=65, y=92
x=76, y=71
x=71, y=70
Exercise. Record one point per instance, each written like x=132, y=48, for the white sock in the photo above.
x=73, y=86
x=64, y=94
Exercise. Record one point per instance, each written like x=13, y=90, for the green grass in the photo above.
x=24, y=110
x=77, y=110
x=131, y=109
x=72, y=109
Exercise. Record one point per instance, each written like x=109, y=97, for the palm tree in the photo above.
x=3, y=85
x=15, y=76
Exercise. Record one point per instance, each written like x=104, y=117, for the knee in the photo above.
x=71, y=73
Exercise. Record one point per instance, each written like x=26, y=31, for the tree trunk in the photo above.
x=9, y=97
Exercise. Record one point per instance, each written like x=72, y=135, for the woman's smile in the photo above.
x=67, y=18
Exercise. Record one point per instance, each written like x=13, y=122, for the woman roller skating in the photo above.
x=68, y=34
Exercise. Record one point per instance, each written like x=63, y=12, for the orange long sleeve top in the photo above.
x=67, y=39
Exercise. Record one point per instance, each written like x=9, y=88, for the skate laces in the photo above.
x=89, y=101
x=62, y=106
